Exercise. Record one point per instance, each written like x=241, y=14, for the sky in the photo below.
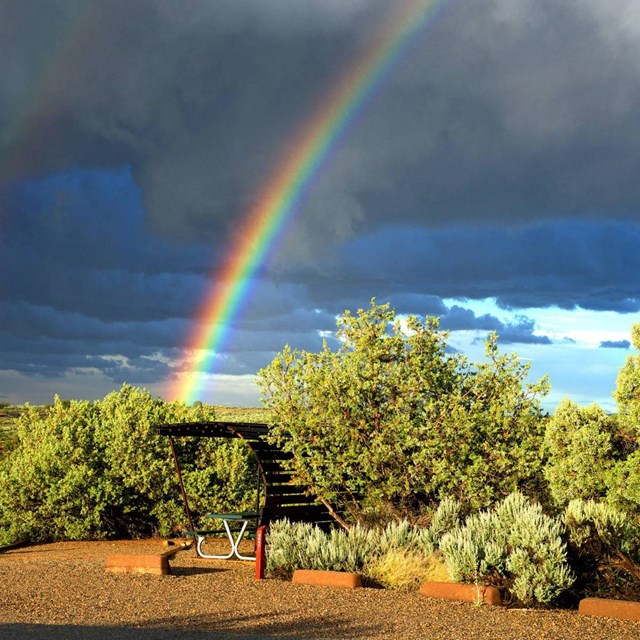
x=491, y=179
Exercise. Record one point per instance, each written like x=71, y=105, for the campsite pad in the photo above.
x=64, y=587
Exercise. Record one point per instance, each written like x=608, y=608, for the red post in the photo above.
x=261, y=543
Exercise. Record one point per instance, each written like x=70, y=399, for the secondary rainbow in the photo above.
x=286, y=187
x=64, y=39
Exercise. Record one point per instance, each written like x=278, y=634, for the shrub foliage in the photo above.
x=83, y=470
x=592, y=455
x=514, y=546
x=604, y=546
x=392, y=421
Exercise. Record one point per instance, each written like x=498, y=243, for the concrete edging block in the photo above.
x=607, y=608
x=158, y=565
x=462, y=592
x=327, y=578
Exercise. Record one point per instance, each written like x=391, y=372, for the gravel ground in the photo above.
x=61, y=591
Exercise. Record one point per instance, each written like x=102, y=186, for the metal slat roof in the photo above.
x=217, y=429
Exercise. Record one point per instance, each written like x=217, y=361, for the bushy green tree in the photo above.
x=85, y=470
x=627, y=393
x=391, y=421
x=593, y=455
x=625, y=484
x=581, y=454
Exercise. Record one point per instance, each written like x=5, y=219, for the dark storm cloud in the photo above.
x=197, y=101
x=24, y=321
x=76, y=242
x=505, y=110
x=81, y=275
x=498, y=160
x=615, y=344
x=565, y=263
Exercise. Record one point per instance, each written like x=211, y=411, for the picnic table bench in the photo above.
x=276, y=496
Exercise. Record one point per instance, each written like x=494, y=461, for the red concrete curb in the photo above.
x=462, y=592
x=603, y=607
x=158, y=565
x=327, y=578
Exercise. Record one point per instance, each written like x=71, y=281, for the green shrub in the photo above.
x=598, y=526
x=297, y=545
x=83, y=470
x=627, y=393
x=604, y=546
x=514, y=546
x=595, y=456
x=579, y=442
x=399, y=568
x=445, y=518
x=395, y=555
x=391, y=423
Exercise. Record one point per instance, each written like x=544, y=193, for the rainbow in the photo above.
x=287, y=186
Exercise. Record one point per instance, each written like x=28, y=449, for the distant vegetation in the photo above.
x=9, y=415
x=241, y=414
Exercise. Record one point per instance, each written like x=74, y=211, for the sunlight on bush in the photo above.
x=514, y=546
x=398, y=568
x=82, y=470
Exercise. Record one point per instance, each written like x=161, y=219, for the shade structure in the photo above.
x=277, y=497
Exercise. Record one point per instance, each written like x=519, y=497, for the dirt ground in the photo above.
x=61, y=591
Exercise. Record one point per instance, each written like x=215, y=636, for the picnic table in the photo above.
x=236, y=526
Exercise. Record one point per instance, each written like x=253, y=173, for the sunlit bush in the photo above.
x=83, y=470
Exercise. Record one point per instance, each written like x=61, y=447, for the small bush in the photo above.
x=304, y=546
x=446, y=517
x=513, y=546
x=604, y=545
x=398, y=568
x=437, y=570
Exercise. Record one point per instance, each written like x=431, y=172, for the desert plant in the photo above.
x=399, y=568
x=579, y=442
x=83, y=470
x=399, y=555
x=304, y=546
x=514, y=546
x=445, y=518
x=627, y=393
x=391, y=422
x=604, y=546
x=592, y=455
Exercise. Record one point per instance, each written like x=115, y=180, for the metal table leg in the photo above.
x=235, y=542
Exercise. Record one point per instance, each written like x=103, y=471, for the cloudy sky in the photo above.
x=491, y=180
